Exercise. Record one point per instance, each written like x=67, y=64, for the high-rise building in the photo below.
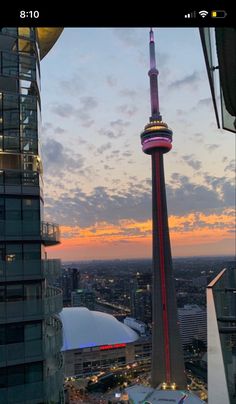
x=143, y=280
x=75, y=278
x=192, y=322
x=30, y=330
x=167, y=356
x=83, y=298
x=221, y=337
x=141, y=297
x=141, y=305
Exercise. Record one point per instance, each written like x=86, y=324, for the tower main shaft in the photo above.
x=167, y=356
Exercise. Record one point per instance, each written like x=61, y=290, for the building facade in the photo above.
x=221, y=336
x=31, y=366
x=94, y=341
x=192, y=322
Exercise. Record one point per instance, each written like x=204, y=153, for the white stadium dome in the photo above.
x=83, y=328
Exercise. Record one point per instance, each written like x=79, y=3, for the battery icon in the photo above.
x=218, y=14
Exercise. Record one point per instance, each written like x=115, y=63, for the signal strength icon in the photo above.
x=190, y=15
x=203, y=13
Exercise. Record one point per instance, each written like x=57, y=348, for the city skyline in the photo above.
x=95, y=173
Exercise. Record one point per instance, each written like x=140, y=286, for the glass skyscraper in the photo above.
x=31, y=366
x=221, y=333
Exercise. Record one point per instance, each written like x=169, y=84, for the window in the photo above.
x=12, y=178
x=11, y=140
x=32, y=251
x=31, y=223
x=27, y=67
x=13, y=253
x=3, y=378
x=2, y=293
x=15, y=375
x=33, y=331
x=33, y=372
x=13, y=209
x=2, y=334
x=14, y=333
x=32, y=291
x=14, y=293
x=11, y=111
x=9, y=64
x=2, y=208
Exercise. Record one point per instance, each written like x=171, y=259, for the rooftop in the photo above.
x=83, y=328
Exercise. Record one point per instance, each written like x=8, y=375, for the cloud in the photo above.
x=204, y=102
x=87, y=104
x=111, y=133
x=111, y=81
x=188, y=81
x=212, y=147
x=130, y=37
x=58, y=160
x=119, y=123
x=192, y=162
x=134, y=203
x=59, y=130
x=128, y=110
x=104, y=147
x=64, y=110
x=128, y=93
x=73, y=86
x=230, y=166
x=117, y=130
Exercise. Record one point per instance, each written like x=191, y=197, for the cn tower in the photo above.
x=167, y=356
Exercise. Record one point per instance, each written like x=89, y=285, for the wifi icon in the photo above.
x=203, y=13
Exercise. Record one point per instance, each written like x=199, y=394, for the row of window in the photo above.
x=21, y=374
x=18, y=65
x=12, y=253
x=14, y=292
x=18, y=123
x=19, y=208
x=24, y=162
x=14, y=177
x=20, y=332
x=17, y=144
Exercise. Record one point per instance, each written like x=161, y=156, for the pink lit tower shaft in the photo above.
x=167, y=355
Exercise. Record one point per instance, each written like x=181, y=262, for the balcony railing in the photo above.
x=32, y=309
x=53, y=337
x=51, y=269
x=18, y=181
x=50, y=233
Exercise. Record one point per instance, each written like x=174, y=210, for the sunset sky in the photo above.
x=97, y=181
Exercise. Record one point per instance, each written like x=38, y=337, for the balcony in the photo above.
x=53, y=338
x=53, y=301
x=21, y=310
x=50, y=234
x=51, y=269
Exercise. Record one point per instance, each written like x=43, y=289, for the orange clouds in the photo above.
x=192, y=234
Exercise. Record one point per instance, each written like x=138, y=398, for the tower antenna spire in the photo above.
x=153, y=76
